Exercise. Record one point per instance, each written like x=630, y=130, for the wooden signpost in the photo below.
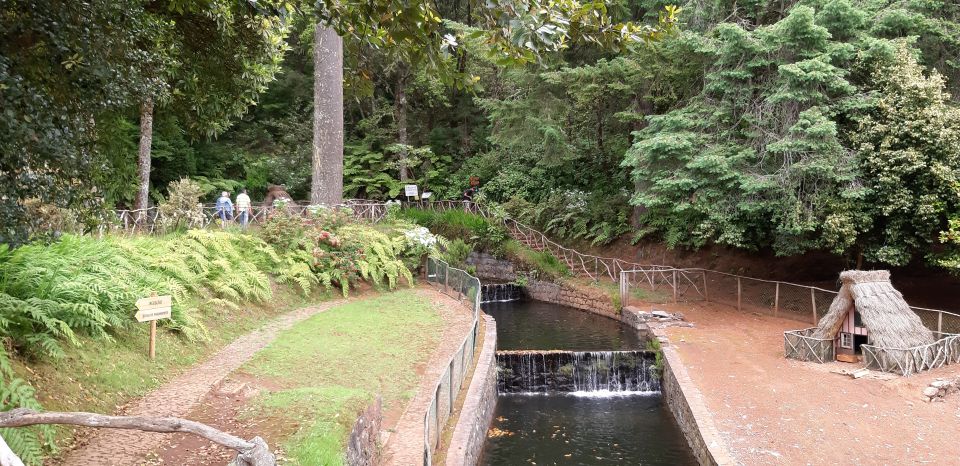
x=151, y=309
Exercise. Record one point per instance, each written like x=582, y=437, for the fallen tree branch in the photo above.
x=250, y=453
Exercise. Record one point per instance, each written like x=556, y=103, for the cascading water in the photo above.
x=583, y=372
x=500, y=293
x=570, y=406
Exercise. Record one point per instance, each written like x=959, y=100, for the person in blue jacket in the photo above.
x=224, y=208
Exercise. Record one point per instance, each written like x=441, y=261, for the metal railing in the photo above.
x=458, y=284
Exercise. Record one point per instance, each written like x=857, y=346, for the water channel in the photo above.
x=607, y=423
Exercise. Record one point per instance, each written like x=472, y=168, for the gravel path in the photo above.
x=405, y=445
x=179, y=396
x=771, y=410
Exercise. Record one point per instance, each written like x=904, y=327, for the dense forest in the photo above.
x=789, y=126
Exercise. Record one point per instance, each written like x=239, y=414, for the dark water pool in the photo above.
x=568, y=429
x=546, y=326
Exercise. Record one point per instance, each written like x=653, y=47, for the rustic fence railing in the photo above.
x=150, y=220
x=461, y=285
x=803, y=303
x=907, y=361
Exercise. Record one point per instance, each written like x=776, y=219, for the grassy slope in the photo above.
x=101, y=376
x=331, y=365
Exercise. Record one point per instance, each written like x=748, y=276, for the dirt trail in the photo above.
x=777, y=411
x=219, y=406
x=179, y=396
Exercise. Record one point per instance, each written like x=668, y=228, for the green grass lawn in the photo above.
x=328, y=367
x=101, y=375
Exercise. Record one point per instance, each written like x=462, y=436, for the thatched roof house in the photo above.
x=868, y=309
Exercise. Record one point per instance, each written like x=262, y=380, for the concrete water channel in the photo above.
x=576, y=388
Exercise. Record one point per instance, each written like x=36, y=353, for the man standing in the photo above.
x=244, y=210
x=224, y=208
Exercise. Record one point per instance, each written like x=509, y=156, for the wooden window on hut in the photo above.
x=846, y=340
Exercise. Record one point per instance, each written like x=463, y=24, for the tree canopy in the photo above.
x=806, y=125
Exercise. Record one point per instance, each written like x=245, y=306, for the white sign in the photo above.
x=410, y=190
x=426, y=195
x=153, y=308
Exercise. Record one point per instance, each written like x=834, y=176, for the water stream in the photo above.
x=500, y=293
x=576, y=388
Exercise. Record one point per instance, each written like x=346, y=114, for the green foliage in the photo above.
x=28, y=443
x=80, y=287
x=322, y=249
x=814, y=130
x=457, y=252
x=654, y=345
x=182, y=208
x=69, y=72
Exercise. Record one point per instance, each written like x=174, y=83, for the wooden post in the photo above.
x=776, y=300
x=940, y=323
x=706, y=296
x=153, y=339
x=813, y=306
x=739, y=307
x=674, y=286
x=153, y=334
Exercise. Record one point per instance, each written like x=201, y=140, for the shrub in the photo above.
x=456, y=252
x=182, y=206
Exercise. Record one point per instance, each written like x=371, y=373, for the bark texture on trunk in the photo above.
x=326, y=186
x=400, y=116
x=143, y=154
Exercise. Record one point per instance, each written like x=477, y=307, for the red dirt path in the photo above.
x=771, y=410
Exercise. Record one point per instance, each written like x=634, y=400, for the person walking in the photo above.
x=224, y=208
x=244, y=208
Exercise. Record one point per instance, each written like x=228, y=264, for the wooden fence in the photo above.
x=907, y=361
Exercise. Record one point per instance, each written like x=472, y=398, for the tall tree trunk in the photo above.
x=326, y=186
x=400, y=117
x=143, y=154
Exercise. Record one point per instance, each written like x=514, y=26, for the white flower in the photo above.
x=420, y=236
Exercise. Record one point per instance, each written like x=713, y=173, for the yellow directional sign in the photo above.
x=153, y=308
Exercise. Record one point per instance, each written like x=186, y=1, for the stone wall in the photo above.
x=470, y=432
x=590, y=300
x=686, y=404
x=363, y=444
x=567, y=294
x=491, y=268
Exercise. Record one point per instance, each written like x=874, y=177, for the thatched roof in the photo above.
x=887, y=317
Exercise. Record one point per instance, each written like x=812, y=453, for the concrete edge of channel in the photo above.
x=685, y=402
x=470, y=432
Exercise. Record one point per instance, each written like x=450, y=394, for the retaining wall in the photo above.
x=685, y=402
x=476, y=414
x=363, y=444
x=566, y=294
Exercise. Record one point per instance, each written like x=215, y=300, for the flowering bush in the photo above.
x=420, y=241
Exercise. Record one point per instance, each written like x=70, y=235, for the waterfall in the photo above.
x=577, y=371
x=500, y=293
